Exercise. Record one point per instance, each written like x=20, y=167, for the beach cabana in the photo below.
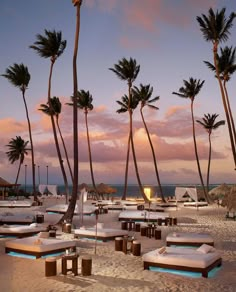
x=50, y=188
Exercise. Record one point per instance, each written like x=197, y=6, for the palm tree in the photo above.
x=124, y=105
x=84, y=103
x=128, y=70
x=71, y=208
x=216, y=28
x=52, y=46
x=17, y=151
x=209, y=124
x=56, y=106
x=19, y=76
x=144, y=94
x=190, y=90
x=227, y=66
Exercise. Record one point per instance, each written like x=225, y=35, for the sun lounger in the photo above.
x=185, y=259
x=20, y=219
x=188, y=238
x=103, y=234
x=62, y=208
x=37, y=247
x=141, y=215
x=21, y=231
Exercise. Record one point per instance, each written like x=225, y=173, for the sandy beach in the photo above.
x=115, y=271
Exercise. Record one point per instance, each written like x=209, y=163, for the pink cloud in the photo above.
x=134, y=43
x=10, y=126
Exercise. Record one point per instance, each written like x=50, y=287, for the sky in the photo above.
x=164, y=37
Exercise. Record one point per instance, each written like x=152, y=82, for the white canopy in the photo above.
x=180, y=192
x=51, y=188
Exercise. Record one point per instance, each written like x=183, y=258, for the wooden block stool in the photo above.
x=86, y=266
x=124, y=225
x=157, y=234
x=143, y=230
x=137, y=227
x=136, y=248
x=118, y=243
x=50, y=267
x=64, y=261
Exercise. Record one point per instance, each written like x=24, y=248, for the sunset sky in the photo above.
x=164, y=38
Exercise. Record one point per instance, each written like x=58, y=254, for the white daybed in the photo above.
x=186, y=259
x=21, y=231
x=16, y=204
x=9, y=218
x=142, y=215
x=37, y=246
x=189, y=238
x=195, y=204
x=103, y=234
x=62, y=208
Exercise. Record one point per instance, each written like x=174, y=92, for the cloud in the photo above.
x=9, y=126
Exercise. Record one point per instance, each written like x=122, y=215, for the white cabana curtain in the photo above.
x=180, y=192
x=51, y=188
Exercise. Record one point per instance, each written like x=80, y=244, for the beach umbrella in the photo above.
x=229, y=201
x=220, y=191
x=104, y=189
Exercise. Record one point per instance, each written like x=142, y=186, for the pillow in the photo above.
x=5, y=226
x=205, y=248
x=82, y=227
x=43, y=234
x=33, y=225
x=162, y=250
x=175, y=234
x=100, y=225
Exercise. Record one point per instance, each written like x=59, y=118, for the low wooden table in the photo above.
x=69, y=257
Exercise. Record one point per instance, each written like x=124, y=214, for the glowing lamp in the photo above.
x=147, y=192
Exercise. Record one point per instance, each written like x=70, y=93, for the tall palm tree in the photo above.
x=190, y=90
x=17, y=151
x=85, y=103
x=128, y=70
x=209, y=124
x=216, y=28
x=19, y=76
x=144, y=95
x=71, y=208
x=227, y=66
x=52, y=46
x=56, y=107
x=124, y=105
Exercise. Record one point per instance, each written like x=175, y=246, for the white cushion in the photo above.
x=100, y=225
x=162, y=250
x=205, y=248
x=33, y=225
x=43, y=234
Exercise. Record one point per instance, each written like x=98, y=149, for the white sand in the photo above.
x=115, y=271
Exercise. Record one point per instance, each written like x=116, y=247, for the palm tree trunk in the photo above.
x=209, y=162
x=153, y=155
x=90, y=154
x=55, y=134
x=196, y=153
x=232, y=142
x=126, y=171
x=17, y=175
x=32, y=148
x=65, y=150
x=230, y=112
x=71, y=208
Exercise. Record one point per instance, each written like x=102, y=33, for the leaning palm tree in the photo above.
x=56, y=108
x=52, y=46
x=216, y=28
x=17, y=151
x=85, y=103
x=124, y=105
x=190, y=90
x=128, y=70
x=209, y=124
x=227, y=66
x=71, y=208
x=19, y=76
x=144, y=95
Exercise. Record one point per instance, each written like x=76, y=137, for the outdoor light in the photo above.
x=147, y=192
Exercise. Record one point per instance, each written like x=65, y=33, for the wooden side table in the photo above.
x=70, y=257
x=127, y=244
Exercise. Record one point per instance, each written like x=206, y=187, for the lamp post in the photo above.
x=25, y=176
x=47, y=174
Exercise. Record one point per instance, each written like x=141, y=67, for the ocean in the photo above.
x=133, y=190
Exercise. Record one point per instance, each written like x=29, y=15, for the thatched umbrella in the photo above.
x=5, y=184
x=220, y=192
x=229, y=200
x=104, y=189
